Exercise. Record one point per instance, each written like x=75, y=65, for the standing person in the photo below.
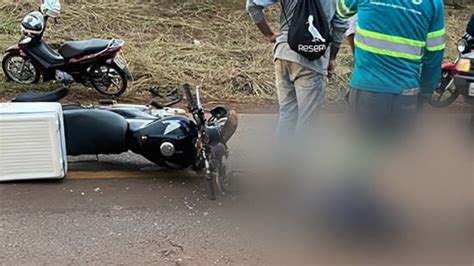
x=399, y=50
x=301, y=81
x=399, y=47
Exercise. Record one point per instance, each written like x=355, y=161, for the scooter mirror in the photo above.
x=51, y=8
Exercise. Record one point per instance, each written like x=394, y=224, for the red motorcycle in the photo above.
x=95, y=63
x=446, y=93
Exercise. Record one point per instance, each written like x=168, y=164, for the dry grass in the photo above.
x=172, y=42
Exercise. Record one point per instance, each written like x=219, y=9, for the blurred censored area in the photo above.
x=343, y=196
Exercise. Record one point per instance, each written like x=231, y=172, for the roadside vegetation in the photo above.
x=172, y=42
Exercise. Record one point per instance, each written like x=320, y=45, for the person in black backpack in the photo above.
x=305, y=52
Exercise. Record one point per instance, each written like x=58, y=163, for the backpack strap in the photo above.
x=284, y=12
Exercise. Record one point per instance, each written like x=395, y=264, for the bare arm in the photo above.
x=339, y=28
x=266, y=30
x=257, y=15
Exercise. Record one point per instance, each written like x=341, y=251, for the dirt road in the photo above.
x=162, y=219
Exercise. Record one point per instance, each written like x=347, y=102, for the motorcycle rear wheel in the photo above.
x=446, y=93
x=109, y=80
x=29, y=73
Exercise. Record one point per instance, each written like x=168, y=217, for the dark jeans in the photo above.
x=383, y=112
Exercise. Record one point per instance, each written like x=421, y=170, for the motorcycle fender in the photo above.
x=14, y=49
x=127, y=72
x=450, y=67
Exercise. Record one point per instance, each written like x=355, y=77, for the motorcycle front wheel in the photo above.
x=20, y=69
x=446, y=93
x=108, y=79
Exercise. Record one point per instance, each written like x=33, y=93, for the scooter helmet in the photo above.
x=51, y=8
x=32, y=24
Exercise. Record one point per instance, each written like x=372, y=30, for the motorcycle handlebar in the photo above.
x=192, y=106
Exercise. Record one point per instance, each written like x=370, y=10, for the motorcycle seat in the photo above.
x=51, y=96
x=94, y=131
x=72, y=49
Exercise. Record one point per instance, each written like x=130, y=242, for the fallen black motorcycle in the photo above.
x=163, y=135
x=96, y=63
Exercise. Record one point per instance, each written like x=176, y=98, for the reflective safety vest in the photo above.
x=399, y=44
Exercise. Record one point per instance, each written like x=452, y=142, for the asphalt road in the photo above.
x=157, y=218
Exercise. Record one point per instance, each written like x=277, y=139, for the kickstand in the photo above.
x=97, y=157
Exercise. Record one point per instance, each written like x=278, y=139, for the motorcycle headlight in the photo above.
x=463, y=65
x=462, y=45
x=226, y=120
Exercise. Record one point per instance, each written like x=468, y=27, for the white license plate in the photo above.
x=120, y=61
x=471, y=89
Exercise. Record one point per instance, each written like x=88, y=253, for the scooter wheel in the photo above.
x=15, y=60
x=109, y=80
x=446, y=93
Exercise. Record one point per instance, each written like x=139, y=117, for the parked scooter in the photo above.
x=163, y=135
x=95, y=63
x=447, y=92
x=464, y=80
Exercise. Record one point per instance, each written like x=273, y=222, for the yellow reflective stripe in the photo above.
x=390, y=38
x=436, y=48
x=339, y=12
x=389, y=46
x=386, y=52
x=346, y=9
x=436, y=33
x=343, y=10
x=435, y=40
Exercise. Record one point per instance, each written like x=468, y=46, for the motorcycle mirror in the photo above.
x=198, y=97
x=462, y=45
x=51, y=8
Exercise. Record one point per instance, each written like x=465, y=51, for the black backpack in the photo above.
x=309, y=33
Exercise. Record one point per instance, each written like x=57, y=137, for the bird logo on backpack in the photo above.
x=314, y=31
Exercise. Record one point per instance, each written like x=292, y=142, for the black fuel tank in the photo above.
x=168, y=142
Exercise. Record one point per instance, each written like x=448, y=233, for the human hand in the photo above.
x=272, y=37
x=331, y=68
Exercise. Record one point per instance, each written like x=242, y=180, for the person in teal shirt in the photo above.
x=399, y=47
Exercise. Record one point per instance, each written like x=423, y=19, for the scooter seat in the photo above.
x=51, y=96
x=74, y=49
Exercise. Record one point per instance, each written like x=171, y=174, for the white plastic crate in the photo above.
x=32, y=142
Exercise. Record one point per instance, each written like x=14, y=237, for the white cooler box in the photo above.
x=32, y=142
